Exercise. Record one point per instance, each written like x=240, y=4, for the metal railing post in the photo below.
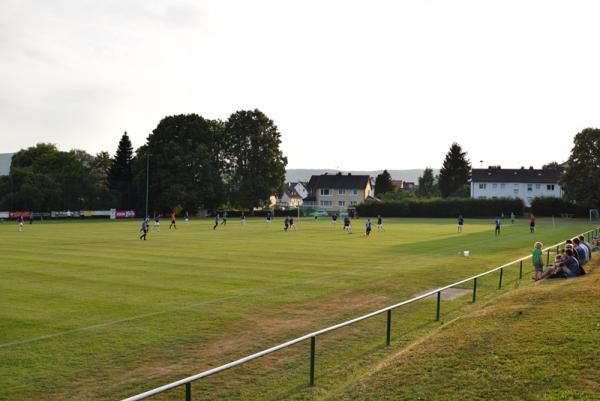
x=188, y=391
x=474, y=289
x=557, y=249
x=437, y=313
x=548, y=257
x=521, y=270
x=388, y=332
x=313, y=341
x=500, y=279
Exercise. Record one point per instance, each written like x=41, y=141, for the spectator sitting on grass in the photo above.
x=587, y=246
x=567, y=267
x=581, y=252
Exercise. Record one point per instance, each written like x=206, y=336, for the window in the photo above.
x=516, y=185
x=326, y=203
x=537, y=186
x=502, y=186
x=529, y=187
x=355, y=191
x=494, y=186
x=325, y=192
x=341, y=191
x=550, y=187
x=353, y=203
x=516, y=191
x=481, y=186
x=342, y=203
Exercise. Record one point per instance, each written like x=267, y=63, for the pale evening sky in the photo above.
x=350, y=84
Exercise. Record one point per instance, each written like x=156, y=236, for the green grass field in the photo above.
x=541, y=343
x=90, y=312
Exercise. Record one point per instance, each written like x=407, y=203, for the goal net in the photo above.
x=594, y=215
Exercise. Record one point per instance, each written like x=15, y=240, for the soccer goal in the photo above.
x=594, y=215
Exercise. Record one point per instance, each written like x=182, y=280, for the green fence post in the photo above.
x=588, y=236
x=313, y=341
x=388, y=333
x=188, y=391
x=474, y=289
x=437, y=313
x=500, y=279
x=557, y=249
x=521, y=270
x=548, y=257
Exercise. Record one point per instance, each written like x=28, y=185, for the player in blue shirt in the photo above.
x=269, y=218
x=216, y=221
x=368, y=227
x=498, y=224
x=286, y=223
x=347, y=226
x=460, y=223
x=144, y=229
x=224, y=222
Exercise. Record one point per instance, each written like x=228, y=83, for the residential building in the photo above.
x=496, y=182
x=293, y=195
x=338, y=191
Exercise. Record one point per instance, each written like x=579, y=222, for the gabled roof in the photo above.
x=338, y=181
x=290, y=190
x=529, y=176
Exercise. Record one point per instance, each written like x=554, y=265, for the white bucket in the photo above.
x=466, y=253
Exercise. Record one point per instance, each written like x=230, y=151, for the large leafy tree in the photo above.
x=427, y=185
x=255, y=163
x=581, y=179
x=186, y=160
x=455, y=173
x=43, y=178
x=120, y=175
x=383, y=183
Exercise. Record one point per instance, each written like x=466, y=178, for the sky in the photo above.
x=350, y=84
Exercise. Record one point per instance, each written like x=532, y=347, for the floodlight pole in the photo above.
x=147, y=180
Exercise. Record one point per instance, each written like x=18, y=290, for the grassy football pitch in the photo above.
x=88, y=311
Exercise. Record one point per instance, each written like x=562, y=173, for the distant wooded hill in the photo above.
x=5, y=159
x=293, y=175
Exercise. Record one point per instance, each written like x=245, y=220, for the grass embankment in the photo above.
x=541, y=342
x=89, y=312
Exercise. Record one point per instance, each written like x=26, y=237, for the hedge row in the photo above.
x=547, y=206
x=437, y=207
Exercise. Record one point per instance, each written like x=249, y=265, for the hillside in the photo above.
x=541, y=342
x=293, y=175
x=5, y=159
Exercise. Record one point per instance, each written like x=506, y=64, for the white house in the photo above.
x=293, y=194
x=496, y=182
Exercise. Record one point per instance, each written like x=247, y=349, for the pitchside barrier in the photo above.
x=187, y=382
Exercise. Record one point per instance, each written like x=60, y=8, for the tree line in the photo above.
x=452, y=181
x=579, y=179
x=193, y=162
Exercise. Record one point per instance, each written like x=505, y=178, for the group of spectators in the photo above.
x=569, y=262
